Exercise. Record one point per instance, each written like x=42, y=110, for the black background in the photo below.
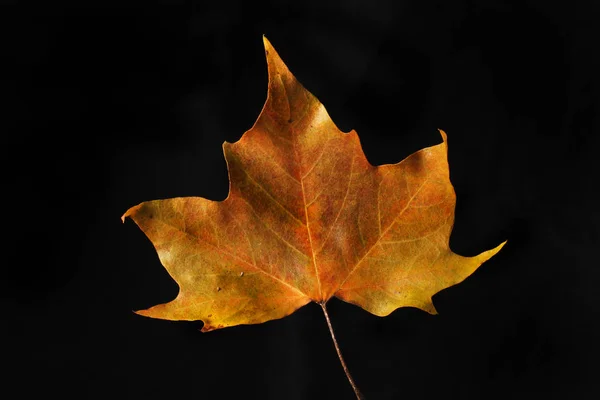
x=106, y=107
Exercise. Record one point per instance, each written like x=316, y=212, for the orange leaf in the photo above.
x=307, y=218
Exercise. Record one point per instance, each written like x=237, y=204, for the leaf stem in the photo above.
x=357, y=392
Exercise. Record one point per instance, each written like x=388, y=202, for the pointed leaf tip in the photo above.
x=274, y=61
x=486, y=255
x=497, y=249
x=130, y=212
x=267, y=43
x=444, y=135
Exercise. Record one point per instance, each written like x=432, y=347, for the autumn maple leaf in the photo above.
x=307, y=218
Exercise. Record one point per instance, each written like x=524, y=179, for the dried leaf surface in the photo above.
x=307, y=218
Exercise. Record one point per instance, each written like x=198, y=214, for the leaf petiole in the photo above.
x=357, y=392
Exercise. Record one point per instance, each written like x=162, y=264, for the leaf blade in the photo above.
x=215, y=280
x=307, y=218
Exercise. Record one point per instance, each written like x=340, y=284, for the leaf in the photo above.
x=307, y=218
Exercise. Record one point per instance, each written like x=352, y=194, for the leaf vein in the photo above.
x=384, y=232
x=235, y=257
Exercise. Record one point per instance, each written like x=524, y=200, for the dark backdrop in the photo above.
x=106, y=107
